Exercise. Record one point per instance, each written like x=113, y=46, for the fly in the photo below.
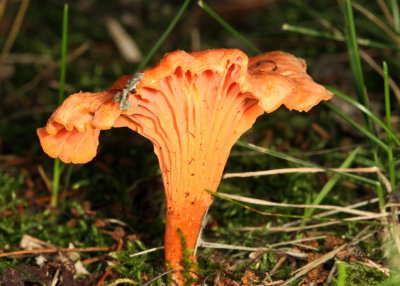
x=122, y=97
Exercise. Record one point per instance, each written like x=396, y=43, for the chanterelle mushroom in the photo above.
x=193, y=107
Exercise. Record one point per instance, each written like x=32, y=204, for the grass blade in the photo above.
x=14, y=29
x=3, y=4
x=327, y=35
x=355, y=62
x=238, y=200
x=378, y=22
x=367, y=112
x=311, y=32
x=388, y=122
x=396, y=16
x=324, y=21
x=23, y=272
x=301, y=162
x=341, y=281
x=57, y=163
x=358, y=126
x=63, y=54
x=161, y=40
x=392, y=281
x=329, y=185
x=224, y=24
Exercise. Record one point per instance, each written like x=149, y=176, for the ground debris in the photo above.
x=62, y=274
x=13, y=277
x=249, y=278
x=333, y=241
x=351, y=253
x=318, y=275
x=222, y=281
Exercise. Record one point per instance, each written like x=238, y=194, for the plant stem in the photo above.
x=57, y=163
x=329, y=185
x=224, y=24
x=301, y=162
x=341, y=274
x=388, y=122
x=364, y=130
x=355, y=62
x=63, y=55
x=336, y=37
x=366, y=111
x=23, y=272
x=396, y=16
x=161, y=40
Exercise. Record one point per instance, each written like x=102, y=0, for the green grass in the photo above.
x=279, y=140
x=58, y=166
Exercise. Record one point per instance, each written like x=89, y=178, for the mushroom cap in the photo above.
x=278, y=78
x=273, y=78
x=72, y=132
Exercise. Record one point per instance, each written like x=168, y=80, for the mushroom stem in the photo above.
x=193, y=130
x=183, y=224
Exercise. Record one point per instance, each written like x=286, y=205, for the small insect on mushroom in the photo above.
x=122, y=97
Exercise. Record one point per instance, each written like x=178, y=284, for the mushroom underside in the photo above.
x=193, y=120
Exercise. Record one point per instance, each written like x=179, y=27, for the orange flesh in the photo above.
x=193, y=107
x=193, y=121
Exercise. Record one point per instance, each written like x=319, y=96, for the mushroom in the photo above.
x=192, y=107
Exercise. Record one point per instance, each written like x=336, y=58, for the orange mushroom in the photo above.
x=192, y=107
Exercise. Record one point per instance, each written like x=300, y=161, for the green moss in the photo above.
x=360, y=275
x=187, y=264
x=136, y=267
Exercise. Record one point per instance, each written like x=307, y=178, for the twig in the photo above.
x=104, y=277
x=308, y=267
x=279, y=263
x=311, y=170
x=109, y=269
x=45, y=178
x=396, y=231
x=317, y=225
x=386, y=11
x=298, y=170
x=331, y=272
x=377, y=22
x=55, y=278
x=206, y=244
x=369, y=60
x=297, y=228
x=146, y=251
x=14, y=30
x=3, y=4
x=12, y=160
x=159, y=276
x=284, y=250
x=53, y=250
x=328, y=213
x=287, y=229
x=47, y=198
x=94, y=259
x=120, y=281
x=297, y=241
x=268, y=203
x=278, y=282
x=28, y=112
x=46, y=71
